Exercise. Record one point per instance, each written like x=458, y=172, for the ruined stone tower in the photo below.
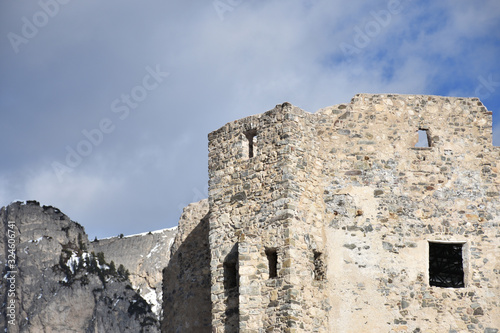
x=336, y=222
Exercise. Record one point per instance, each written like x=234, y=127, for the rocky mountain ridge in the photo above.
x=55, y=280
x=144, y=255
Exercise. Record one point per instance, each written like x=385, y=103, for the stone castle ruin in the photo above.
x=342, y=221
x=381, y=215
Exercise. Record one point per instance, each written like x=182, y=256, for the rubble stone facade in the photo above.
x=336, y=222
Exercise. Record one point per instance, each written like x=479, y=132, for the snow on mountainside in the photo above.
x=51, y=274
x=144, y=255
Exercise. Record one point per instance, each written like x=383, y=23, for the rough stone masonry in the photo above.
x=381, y=215
x=338, y=221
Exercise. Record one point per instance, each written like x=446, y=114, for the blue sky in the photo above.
x=105, y=107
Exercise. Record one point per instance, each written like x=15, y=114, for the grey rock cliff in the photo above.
x=54, y=284
x=144, y=255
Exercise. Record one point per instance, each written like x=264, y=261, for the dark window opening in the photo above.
x=251, y=134
x=230, y=275
x=424, y=140
x=319, y=266
x=272, y=258
x=231, y=290
x=446, y=265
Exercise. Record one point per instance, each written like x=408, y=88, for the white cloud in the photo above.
x=262, y=54
x=77, y=194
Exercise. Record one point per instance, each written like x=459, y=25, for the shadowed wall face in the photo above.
x=186, y=279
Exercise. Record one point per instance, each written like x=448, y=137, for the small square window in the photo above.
x=446, y=268
x=424, y=140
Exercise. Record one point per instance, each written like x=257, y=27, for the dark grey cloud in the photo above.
x=86, y=69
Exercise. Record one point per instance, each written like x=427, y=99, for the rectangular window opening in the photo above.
x=446, y=268
x=424, y=140
x=230, y=275
x=319, y=266
x=272, y=259
x=231, y=285
x=251, y=134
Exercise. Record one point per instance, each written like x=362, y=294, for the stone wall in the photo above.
x=186, y=278
x=254, y=199
x=244, y=193
x=349, y=205
x=385, y=200
x=326, y=222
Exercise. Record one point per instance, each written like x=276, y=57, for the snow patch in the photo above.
x=153, y=250
x=23, y=202
x=150, y=297
x=143, y=233
x=170, y=229
x=103, y=266
x=36, y=241
x=73, y=262
x=170, y=243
